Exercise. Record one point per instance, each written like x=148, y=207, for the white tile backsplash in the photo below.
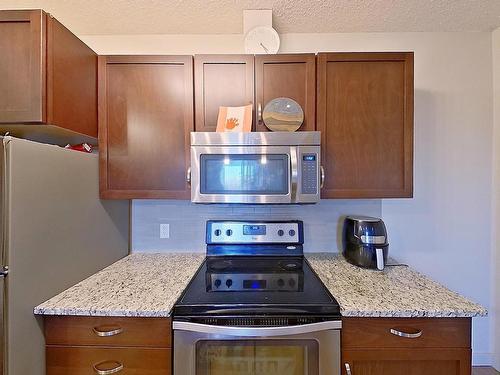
x=322, y=222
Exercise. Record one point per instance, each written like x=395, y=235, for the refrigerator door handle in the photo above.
x=3, y=336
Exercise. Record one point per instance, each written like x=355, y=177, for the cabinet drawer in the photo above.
x=88, y=360
x=108, y=331
x=392, y=332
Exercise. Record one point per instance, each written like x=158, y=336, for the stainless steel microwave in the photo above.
x=256, y=168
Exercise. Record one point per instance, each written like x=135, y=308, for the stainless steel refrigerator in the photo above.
x=54, y=233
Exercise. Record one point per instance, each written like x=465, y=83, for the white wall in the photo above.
x=445, y=231
x=496, y=197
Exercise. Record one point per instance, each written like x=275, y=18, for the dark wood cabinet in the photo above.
x=437, y=346
x=221, y=80
x=235, y=80
x=365, y=115
x=49, y=79
x=286, y=75
x=397, y=361
x=145, y=120
x=87, y=345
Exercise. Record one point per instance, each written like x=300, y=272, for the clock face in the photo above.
x=262, y=40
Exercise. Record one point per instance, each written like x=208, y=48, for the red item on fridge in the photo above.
x=83, y=147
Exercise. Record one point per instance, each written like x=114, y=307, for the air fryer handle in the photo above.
x=380, y=259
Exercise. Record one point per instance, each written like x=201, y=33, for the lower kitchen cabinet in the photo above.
x=107, y=345
x=409, y=346
x=396, y=361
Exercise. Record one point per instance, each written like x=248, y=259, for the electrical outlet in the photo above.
x=164, y=230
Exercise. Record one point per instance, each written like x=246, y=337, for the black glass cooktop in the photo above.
x=257, y=286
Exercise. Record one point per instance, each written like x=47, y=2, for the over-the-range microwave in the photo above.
x=255, y=168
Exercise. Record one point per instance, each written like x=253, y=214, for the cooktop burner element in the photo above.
x=258, y=269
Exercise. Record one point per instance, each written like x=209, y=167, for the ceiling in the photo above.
x=89, y=17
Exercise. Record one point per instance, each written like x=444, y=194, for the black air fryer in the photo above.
x=364, y=240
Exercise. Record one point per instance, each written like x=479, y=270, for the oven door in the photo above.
x=311, y=349
x=243, y=174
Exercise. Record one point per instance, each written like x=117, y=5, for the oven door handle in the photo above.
x=256, y=331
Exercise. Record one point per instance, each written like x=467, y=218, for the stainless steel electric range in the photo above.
x=256, y=307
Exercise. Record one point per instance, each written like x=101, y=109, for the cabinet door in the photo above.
x=365, y=115
x=145, y=117
x=22, y=66
x=406, y=361
x=221, y=80
x=292, y=76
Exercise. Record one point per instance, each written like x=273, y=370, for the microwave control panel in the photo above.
x=309, y=174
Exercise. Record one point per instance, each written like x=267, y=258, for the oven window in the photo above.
x=257, y=357
x=244, y=174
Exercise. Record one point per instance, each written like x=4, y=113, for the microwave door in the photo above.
x=241, y=174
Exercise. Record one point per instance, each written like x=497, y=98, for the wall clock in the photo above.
x=262, y=40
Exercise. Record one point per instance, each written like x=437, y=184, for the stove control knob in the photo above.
x=218, y=232
x=281, y=283
x=291, y=282
x=229, y=232
x=281, y=232
x=217, y=283
x=291, y=232
x=229, y=282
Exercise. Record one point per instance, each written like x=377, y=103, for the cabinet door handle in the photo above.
x=188, y=176
x=106, y=331
x=347, y=369
x=118, y=366
x=322, y=177
x=259, y=113
x=408, y=335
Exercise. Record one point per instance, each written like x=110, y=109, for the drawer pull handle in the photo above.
x=409, y=335
x=106, y=331
x=347, y=369
x=108, y=370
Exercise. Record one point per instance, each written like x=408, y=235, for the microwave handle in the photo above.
x=188, y=176
x=294, y=173
x=321, y=177
x=256, y=331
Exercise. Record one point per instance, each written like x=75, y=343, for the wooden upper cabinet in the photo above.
x=48, y=77
x=221, y=80
x=22, y=71
x=71, y=81
x=365, y=115
x=286, y=75
x=145, y=120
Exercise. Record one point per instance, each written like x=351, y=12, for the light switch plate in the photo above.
x=164, y=230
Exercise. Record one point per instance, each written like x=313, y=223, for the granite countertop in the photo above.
x=148, y=285
x=395, y=292
x=145, y=285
